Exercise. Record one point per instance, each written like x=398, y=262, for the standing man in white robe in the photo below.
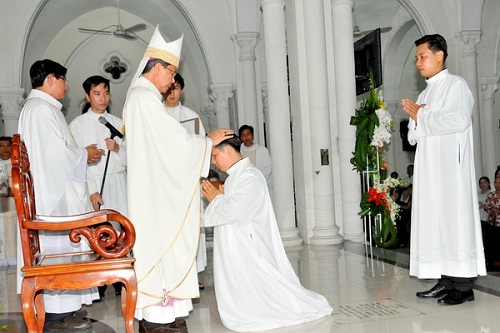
x=181, y=113
x=258, y=155
x=446, y=241
x=176, y=109
x=165, y=164
x=58, y=167
x=87, y=129
x=255, y=284
x=6, y=163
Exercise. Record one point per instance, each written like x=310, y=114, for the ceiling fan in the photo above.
x=119, y=30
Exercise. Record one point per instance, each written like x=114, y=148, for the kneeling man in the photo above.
x=255, y=284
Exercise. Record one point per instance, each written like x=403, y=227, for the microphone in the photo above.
x=114, y=131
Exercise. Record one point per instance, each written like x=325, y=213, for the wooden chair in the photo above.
x=108, y=262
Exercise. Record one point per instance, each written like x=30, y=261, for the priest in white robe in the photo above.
x=255, y=285
x=446, y=241
x=106, y=191
x=87, y=129
x=258, y=155
x=5, y=165
x=165, y=164
x=58, y=167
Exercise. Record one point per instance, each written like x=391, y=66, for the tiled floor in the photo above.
x=370, y=293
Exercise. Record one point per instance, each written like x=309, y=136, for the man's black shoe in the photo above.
x=457, y=297
x=69, y=323
x=437, y=291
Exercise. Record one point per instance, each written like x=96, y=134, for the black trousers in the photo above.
x=458, y=283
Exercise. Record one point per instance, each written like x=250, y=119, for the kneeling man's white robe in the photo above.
x=255, y=284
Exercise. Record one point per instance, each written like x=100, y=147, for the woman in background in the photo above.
x=484, y=190
x=491, y=228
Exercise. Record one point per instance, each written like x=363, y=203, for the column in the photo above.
x=278, y=108
x=211, y=120
x=346, y=104
x=11, y=100
x=489, y=85
x=220, y=97
x=469, y=40
x=247, y=42
x=325, y=231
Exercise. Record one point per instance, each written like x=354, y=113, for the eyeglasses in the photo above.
x=66, y=81
x=171, y=71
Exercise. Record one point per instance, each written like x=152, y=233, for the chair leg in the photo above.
x=129, y=301
x=40, y=310
x=29, y=301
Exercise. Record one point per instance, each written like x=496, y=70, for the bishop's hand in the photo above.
x=220, y=135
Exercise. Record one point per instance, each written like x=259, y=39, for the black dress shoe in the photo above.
x=158, y=328
x=69, y=323
x=437, y=291
x=457, y=297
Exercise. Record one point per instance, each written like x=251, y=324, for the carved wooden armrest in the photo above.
x=95, y=227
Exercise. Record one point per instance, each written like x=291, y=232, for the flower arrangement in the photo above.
x=373, y=130
x=377, y=200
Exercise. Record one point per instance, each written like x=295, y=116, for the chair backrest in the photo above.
x=104, y=241
x=24, y=195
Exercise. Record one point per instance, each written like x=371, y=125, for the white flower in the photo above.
x=382, y=132
x=380, y=95
x=386, y=186
x=384, y=117
x=380, y=136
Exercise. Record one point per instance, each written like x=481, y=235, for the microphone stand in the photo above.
x=105, y=170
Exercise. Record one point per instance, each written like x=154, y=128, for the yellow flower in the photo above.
x=382, y=105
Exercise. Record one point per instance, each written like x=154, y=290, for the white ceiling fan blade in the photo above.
x=105, y=32
x=125, y=35
x=137, y=27
x=119, y=30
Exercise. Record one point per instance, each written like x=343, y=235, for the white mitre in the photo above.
x=158, y=48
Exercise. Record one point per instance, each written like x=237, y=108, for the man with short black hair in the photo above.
x=255, y=284
x=6, y=164
x=176, y=109
x=258, y=155
x=446, y=240
x=87, y=129
x=58, y=167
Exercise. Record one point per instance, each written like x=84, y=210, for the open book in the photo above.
x=192, y=125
